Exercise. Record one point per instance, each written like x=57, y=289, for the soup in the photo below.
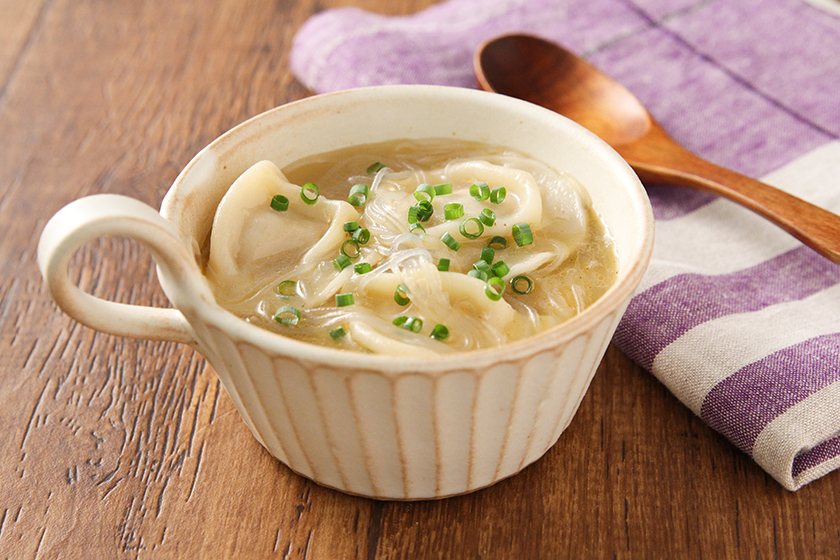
x=408, y=247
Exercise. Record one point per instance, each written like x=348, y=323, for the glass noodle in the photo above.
x=371, y=275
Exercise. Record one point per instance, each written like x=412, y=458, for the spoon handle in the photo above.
x=812, y=225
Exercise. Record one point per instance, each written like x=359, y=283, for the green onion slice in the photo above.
x=500, y=269
x=487, y=217
x=412, y=324
x=362, y=268
x=337, y=333
x=424, y=192
x=341, y=262
x=482, y=266
x=488, y=254
x=374, y=167
x=443, y=188
x=498, y=242
x=471, y=228
x=361, y=236
x=443, y=265
x=522, y=234
x=401, y=295
x=450, y=242
x=417, y=230
x=286, y=288
x=350, y=249
x=420, y=212
x=358, y=194
x=414, y=214
x=279, y=203
x=480, y=191
x=480, y=274
x=521, y=284
x=343, y=300
x=309, y=193
x=287, y=315
x=497, y=195
x=453, y=211
x=495, y=288
x=350, y=227
x=440, y=332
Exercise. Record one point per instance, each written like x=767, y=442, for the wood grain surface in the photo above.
x=115, y=448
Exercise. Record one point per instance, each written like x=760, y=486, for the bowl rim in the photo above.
x=620, y=292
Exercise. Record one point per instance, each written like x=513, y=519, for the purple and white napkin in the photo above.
x=737, y=318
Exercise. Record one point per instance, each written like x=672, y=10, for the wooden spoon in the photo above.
x=544, y=73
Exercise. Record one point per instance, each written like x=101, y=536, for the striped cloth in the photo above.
x=735, y=317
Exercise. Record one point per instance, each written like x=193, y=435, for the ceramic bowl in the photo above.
x=380, y=426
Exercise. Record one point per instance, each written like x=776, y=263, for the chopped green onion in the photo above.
x=374, y=167
x=417, y=230
x=440, y=332
x=286, y=288
x=358, y=194
x=362, y=268
x=412, y=324
x=337, y=333
x=487, y=217
x=414, y=214
x=500, y=269
x=450, y=242
x=424, y=192
x=309, y=193
x=443, y=265
x=341, y=262
x=488, y=254
x=522, y=234
x=497, y=195
x=287, y=315
x=350, y=227
x=420, y=212
x=476, y=233
x=495, y=288
x=354, y=251
x=453, y=211
x=480, y=274
x=443, y=188
x=516, y=284
x=498, y=242
x=401, y=295
x=482, y=266
x=279, y=203
x=343, y=300
x=480, y=191
x=361, y=236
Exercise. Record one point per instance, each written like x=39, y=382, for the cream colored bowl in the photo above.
x=380, y=426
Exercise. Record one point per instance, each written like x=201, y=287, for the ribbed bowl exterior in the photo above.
x=411, y=435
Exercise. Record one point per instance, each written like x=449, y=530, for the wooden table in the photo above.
x=123, y=448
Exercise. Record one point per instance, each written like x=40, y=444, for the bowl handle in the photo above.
x=107, y=214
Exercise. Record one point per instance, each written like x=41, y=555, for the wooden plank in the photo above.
x=19, y=27
x=121, y=448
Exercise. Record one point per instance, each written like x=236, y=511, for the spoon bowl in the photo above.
x=548, y=75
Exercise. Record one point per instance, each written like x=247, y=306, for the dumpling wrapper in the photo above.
x=251, y=243
x=458, y=287
x=522, y=204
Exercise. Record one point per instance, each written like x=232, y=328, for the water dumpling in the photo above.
x=251, y=242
